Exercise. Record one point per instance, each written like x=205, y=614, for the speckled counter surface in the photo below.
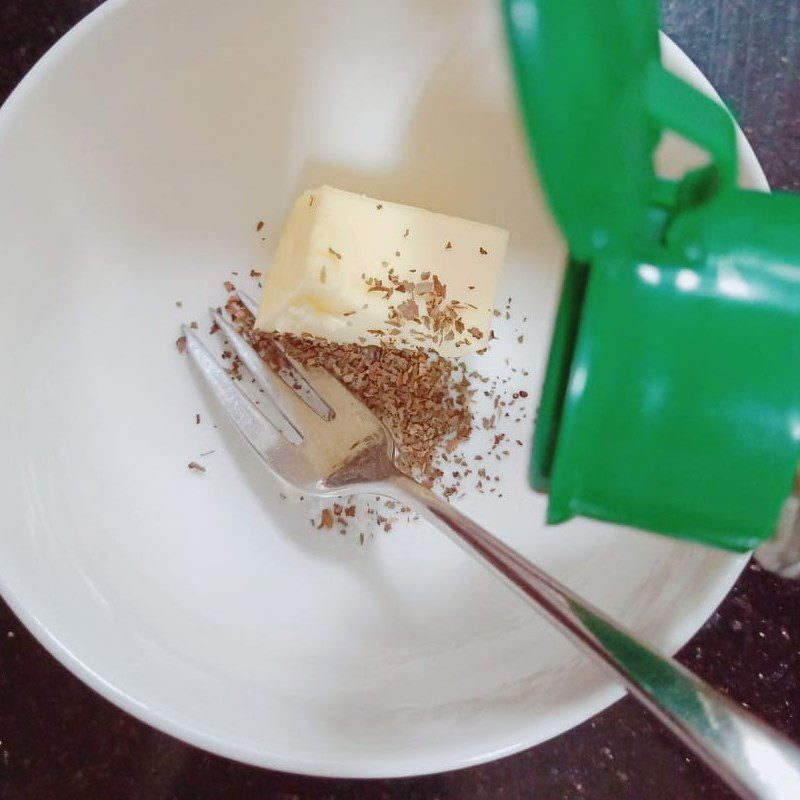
x=60, y=741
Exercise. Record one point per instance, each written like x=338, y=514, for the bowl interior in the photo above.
x=137, y=159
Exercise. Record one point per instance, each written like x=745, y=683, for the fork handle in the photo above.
x=754, y=760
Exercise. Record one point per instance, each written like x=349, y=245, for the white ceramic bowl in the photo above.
x=136, y=159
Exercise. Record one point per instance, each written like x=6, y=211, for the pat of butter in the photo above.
x=355, y=270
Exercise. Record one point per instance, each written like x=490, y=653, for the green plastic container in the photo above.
x=672, y=395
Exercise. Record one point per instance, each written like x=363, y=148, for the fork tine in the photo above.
x=294, y=376
x=261, y=434
x=248, y=302
x=317, y=381
x=276, y=412
x=252, y=307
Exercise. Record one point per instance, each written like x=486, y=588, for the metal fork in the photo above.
x=318, y=438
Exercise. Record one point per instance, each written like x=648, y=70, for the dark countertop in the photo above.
x=59, y=740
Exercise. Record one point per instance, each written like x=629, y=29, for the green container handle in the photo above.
x=681, y=108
